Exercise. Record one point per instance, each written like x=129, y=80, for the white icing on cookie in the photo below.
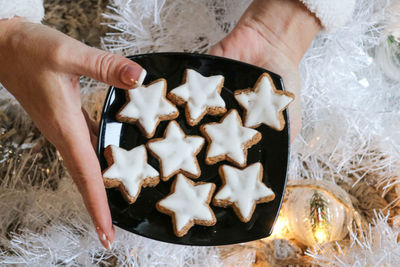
x=130, y=168
x=243, y=188
x=177, y=151
x=147, y=105
x=189, y=202
x=200, y=93
x=229, y=138
x=264, y=104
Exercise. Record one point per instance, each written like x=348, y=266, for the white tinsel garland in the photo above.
x=57, y=230
x=159, y=25
x=377, y=247
x=351, y=110
x=351, y=129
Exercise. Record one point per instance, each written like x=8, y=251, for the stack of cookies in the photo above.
x=227, y=140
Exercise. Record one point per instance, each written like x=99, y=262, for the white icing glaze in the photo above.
x=263, y=105
x=130, y=167
x=147, y=105
x=200, y=92
x=177, y=151
x=188, y=202
x=229, y=137
x=243, y=188
x=112, y=129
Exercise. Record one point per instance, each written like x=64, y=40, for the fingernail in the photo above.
x=141, y=77
x=129, y=74
x=103, y=239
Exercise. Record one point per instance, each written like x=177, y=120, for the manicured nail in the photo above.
x=141, y=77
x=129, y=74
x=103, y=238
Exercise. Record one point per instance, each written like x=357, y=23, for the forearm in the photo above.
x=288, y=24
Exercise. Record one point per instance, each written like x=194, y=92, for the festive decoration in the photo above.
x=317, y=212
x=320, y=218
x=351, y=137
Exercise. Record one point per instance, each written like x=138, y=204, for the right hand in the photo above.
x=274, y=35
x=41, y=67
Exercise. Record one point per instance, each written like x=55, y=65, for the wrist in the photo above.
x=287, y=25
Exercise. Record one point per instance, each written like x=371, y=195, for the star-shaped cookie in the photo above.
x=242, y=189
x=229, y=140
x=147, y=106
x=129, y=171
x=188, y=204
x=264, y=104
x=200, y=95
x=177, y=152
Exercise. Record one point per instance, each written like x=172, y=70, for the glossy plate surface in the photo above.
x=272, y=151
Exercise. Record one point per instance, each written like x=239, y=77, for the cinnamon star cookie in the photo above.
x=147, y=106
x=200, y=95
x=264, y=104
x=229, y=140
x=188, y=204
x=242, y=189
x=177, y=152
x=129, y=171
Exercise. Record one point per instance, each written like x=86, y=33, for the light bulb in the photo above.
x=280, y=226
x=320, y=235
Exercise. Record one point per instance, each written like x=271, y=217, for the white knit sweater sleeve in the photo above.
x=32, y=10
x=331, y=13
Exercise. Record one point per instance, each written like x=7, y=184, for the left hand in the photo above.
x=41, y=67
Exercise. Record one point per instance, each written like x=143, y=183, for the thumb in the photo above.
x=81, y=160
x=107, y=67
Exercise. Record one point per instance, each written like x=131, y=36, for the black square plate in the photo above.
x=272, y=151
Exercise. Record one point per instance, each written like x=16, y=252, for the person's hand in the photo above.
x=274, y=35
x=41, y=68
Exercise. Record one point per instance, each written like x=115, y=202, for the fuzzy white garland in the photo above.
x=351, y=126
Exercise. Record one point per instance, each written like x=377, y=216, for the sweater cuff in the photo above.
x=32, y=10
x=332, y=13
